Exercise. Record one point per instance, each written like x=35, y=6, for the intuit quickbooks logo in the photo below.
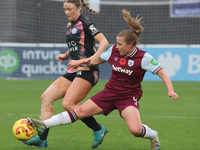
x=9, y=61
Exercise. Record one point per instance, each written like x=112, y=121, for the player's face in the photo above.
x=123, y=48
x=71, y=11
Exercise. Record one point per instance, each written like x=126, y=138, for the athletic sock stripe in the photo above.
x=143, y=131
x=73, y=116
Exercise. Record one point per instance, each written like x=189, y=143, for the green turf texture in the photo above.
x=178, y=123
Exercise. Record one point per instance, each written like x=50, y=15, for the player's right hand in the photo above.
x=173, y=95
x=61, y=57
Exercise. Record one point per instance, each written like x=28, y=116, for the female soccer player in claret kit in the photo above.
x=75, y=84
x=123, y=90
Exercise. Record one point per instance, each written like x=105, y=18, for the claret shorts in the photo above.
x=109, y=101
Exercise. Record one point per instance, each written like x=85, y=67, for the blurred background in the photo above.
x=32, y=33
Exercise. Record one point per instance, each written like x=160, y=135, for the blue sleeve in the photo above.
x=150, y=64
x=106, y=54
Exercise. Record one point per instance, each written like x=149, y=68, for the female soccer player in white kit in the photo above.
x=123, y=90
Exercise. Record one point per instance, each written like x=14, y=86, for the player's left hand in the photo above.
x=173, y=95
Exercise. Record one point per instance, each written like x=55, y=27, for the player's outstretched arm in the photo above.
x=163, y=75
x=76, y=63
x=103, y=44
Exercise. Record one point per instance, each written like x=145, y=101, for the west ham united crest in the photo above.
x=130, y=63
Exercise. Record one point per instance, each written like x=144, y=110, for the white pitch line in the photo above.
x=173, y=117
x=169, y=117
x=19, y=115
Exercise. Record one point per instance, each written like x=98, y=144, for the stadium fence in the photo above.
x=36, y=28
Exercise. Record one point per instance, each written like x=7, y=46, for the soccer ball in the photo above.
x=22, y=130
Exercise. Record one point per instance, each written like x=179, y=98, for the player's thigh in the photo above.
x=132, y=118
x=57, y=89
x=77, y=91
x=88, y=108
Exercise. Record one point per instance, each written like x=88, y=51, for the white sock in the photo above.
x=61, y=119
x=147, y=132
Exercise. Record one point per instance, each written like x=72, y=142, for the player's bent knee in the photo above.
x=68, y=106
x=80, y=112
x=42, y=98
x=46, y=102
x=45, y=99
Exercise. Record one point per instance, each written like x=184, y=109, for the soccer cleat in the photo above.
x=39, y=125
x=98, y=136
x=36, y=141
x=155, y=144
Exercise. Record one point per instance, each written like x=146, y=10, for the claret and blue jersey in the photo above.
x=128, y=71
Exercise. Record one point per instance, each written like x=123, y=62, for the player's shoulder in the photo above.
x=85, y=20
x=140, y=50
x=114, y=48
x=115, y=51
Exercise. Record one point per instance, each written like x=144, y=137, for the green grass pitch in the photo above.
x=178, y=123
